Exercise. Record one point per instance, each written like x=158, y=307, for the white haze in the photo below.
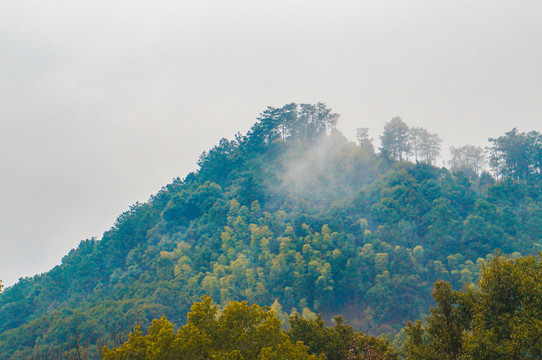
x=102, y=103
x=325, y=170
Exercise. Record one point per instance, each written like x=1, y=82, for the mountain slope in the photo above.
x=292, y=212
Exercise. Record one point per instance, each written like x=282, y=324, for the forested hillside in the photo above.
x=498, y=317
x=294, y=216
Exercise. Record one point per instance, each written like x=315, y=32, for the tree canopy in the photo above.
x=499, y=318
x=240, y=331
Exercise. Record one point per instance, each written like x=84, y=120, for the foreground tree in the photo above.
x=500, y=319
x=248, y=332
x=507, y=311
x=239, y=332
x=340, y=342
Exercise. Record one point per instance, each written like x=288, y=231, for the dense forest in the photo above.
x=294, y=217
x=499, y=317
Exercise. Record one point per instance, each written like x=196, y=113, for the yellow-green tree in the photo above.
x=239, y=332
x=501, y=318
x=507, y=311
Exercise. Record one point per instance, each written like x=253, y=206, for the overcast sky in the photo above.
x=104, y=102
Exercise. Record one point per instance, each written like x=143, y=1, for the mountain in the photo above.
x=293, y=215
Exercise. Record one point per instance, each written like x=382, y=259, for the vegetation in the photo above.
x=500, y=318
x=468, y=159
x=241, y=331
x=294, y=216
x=517, y=155
x=400, y=142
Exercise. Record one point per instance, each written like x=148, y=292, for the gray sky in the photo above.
x=104, y=102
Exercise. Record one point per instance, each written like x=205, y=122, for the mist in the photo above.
x=330, y=168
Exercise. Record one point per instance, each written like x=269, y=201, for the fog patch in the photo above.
x=313, y=175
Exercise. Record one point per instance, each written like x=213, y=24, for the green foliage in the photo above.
x=517, y=155
x=239, y=332
x=468, y=159
x=291, y=215
x=498, y=319
x=338, y=342
x=395, y=138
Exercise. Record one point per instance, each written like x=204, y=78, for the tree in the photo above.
x=364, y=142
x=339, y=342
x=516, y=155
x=219, y=161
x=247, y=329
x=468, y=159
x=499, y=319
x=423, y=145
x=507, y=311
x=429, y=147
x=317, y=337
x=135, y=348
x=395, y=139
x=446, y=323
x=278, y=123
x=160, y=340
x=240, y=332
x=415, y=139
x=415, y=346
x=287, y=351
x=314, y=120
x=292, y=121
